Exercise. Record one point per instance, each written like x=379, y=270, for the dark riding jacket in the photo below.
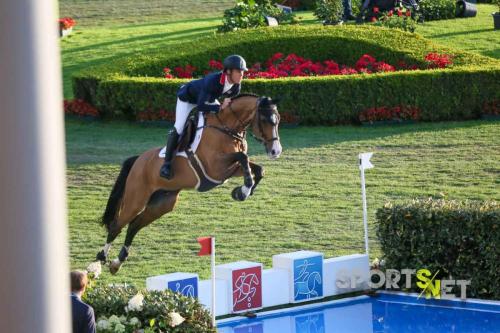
x=203, y=92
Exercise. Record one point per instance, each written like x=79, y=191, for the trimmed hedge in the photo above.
x=461, y=239
x=135, y=84
x=433, y=10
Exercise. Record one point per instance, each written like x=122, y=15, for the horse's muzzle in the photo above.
x=275, y=150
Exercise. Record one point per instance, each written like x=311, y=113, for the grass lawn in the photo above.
x=309, y=199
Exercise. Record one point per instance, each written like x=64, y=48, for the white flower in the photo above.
x=102, y=324
x=119, y=328
x=375, y=262
x=135, y=303
x=176, y=319
x=134, y=321
x=95, y=269
x=123, y=319
x=114, y=320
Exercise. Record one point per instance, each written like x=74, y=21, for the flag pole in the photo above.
x=212, y=260
x=364, y=163
x=365, y=213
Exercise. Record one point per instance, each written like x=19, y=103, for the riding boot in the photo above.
x=166, y=169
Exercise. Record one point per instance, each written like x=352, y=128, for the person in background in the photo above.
x=83, y=318
x=348, y=16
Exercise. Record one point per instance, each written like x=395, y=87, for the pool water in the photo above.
x=387, y=313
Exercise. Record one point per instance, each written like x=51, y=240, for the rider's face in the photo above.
x=235, y=76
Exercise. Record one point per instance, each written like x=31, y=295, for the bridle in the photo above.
x=242, y=127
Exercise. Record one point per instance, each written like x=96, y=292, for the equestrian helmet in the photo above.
x=235, y=62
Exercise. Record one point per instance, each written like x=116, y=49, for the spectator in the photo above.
x=82, y=314
x=348, y=16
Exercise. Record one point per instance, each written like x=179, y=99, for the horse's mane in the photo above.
x=244, y=95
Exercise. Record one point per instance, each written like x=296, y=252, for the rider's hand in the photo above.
x=226, y=103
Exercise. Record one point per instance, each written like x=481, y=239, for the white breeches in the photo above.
x=182, y=111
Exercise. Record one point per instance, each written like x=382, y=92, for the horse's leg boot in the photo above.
x=166, y=169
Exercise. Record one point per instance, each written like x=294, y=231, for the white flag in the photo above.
x=364, y=161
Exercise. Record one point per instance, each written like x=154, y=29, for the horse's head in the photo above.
x=265, y=126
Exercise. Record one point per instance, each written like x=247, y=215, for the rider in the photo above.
x=203, y=93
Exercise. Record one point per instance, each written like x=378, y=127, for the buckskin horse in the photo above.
x=140, y=196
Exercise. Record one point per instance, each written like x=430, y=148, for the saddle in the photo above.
x=187, y=147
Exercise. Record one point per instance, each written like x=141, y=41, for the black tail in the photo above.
x=117, y=191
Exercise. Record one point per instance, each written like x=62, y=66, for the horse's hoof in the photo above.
x=114, y=266
x=237, y=194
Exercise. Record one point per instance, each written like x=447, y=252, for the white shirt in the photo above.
x=227, y=85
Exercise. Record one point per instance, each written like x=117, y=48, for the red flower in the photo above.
x=435, y=60
x=408, y=13
x=373, y=19
x=399, y=12
x=390, y=13
x=214, y=64
x=80, y=108
x=376, y=10
x=66, y=23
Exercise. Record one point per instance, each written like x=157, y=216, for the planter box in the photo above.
x=65, y=32
x=496, y=20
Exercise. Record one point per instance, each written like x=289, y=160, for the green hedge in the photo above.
x=109, y=301
x=134, y=84
x=461, y=239
x=432, y=10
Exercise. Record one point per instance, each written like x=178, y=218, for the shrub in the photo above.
x=329, y=11
x=252, y=14
x=497, y=2
x=135, y=84
x=398, y=19
x=153, y=310
x=460, y=239
x=432, y=10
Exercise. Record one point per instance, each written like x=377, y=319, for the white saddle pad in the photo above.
x=197, y=138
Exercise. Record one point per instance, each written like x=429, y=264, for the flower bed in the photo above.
x=80, y=108
x=279, y=66
x=127, y=309
x=394, y=114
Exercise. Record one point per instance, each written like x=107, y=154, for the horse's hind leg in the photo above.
x=131, y=205
x=160, y=203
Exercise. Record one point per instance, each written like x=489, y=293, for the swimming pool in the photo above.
x=385, y=312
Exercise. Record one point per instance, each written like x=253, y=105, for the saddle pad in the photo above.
x=196, y=141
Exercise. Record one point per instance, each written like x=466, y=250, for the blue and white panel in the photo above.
x=307, y=278
x=305, y=274
x=187, y=287
x=184, y=283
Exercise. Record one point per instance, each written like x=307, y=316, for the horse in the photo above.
x=140, y=196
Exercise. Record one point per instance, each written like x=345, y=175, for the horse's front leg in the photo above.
x=258, y=172
x=240, y=193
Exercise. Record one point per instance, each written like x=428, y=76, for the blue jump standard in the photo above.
x=382, y=313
